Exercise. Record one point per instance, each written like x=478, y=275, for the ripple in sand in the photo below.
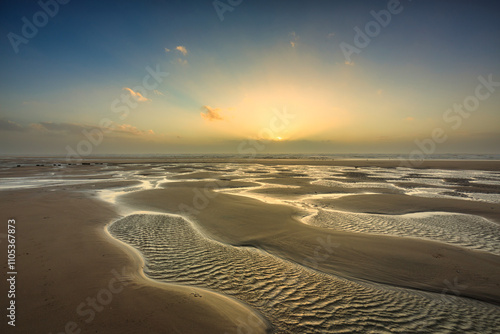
x=294, y=299
x=463, y=230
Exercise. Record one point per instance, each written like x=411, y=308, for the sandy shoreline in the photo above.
x=65, y=256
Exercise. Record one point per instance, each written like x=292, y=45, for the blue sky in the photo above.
x=226, y=79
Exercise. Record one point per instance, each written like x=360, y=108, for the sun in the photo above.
x=279, y=138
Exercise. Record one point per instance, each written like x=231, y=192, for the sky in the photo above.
x=87, y=78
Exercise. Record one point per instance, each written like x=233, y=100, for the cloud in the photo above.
x=294, y=39
x=167, y=50
x=211, y=114
x=410, y=119
x=136, y=95
x=379, y=92
x=182, y=49
x=6, y=125
x=66, y=128
x=157, y=92
x=80, y=129
x=350, y=63
x=330, y=35
x=182, y=61
x=130, y=130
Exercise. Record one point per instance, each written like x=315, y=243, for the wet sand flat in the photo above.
x=399, y=204
x=399, y=261
x=64, y=257
x=226, y=245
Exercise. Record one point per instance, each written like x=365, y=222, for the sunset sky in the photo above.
x=274, y=71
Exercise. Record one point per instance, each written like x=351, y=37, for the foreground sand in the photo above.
x=406, y=262
x=64, y=257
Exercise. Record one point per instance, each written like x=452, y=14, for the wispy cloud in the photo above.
x=157, y=92
x=182, y=49
x=211, y=114
x=64, y=128
x=330, y=35
x=410, y=119
x=136, y=95
x=293, y=39
x=77, y=129
x=182, y=61
x=6, y=125
x=167, y=50
x=131, y=130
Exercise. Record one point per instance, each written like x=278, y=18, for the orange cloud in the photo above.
x=136, y=95
x=211, y=114
x=182, y=49
x=294, y=39
x=130, y=129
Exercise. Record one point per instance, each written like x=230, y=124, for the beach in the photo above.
x=250, y=167
x=211, y=245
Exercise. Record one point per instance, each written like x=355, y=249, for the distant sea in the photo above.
x=319, y=156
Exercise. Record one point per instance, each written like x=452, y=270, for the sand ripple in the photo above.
x=295, y=299
x=463, y=230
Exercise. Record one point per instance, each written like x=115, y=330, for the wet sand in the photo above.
x=398, y=261
x=393, y=204
x=65, y=255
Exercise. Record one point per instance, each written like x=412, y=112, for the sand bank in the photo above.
x=64, y=257
x=406, y=262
